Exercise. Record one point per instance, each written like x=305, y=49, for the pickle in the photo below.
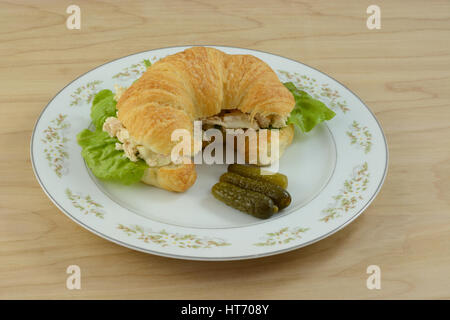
x=279, y=196
x=251, y=202
x=255, y=173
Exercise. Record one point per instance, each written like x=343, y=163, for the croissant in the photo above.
x=196, y=84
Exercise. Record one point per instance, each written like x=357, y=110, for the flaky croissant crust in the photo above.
x=194, y=84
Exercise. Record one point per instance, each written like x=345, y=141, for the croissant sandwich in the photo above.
x=199, y=84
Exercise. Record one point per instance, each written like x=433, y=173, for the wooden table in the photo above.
x=402, y=71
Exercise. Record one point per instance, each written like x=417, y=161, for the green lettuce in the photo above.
x=99, y=149
x=308, y=112
x=103, y=106
x=147, y=63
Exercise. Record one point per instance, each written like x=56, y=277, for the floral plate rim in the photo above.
x=213, y=258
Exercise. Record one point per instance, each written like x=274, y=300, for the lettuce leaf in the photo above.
x=147, y=63
x=99, y=149
x=107, y=163
x=308, y=112
x=103, y=106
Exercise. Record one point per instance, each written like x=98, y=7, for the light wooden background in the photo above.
x=401, y=71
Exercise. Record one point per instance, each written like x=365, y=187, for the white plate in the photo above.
x=334, y=172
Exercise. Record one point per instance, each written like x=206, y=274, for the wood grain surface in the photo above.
x=402, y=71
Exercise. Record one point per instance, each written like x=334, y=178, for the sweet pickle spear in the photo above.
x=279, y=196
x=255, y=173
x=248, y=201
